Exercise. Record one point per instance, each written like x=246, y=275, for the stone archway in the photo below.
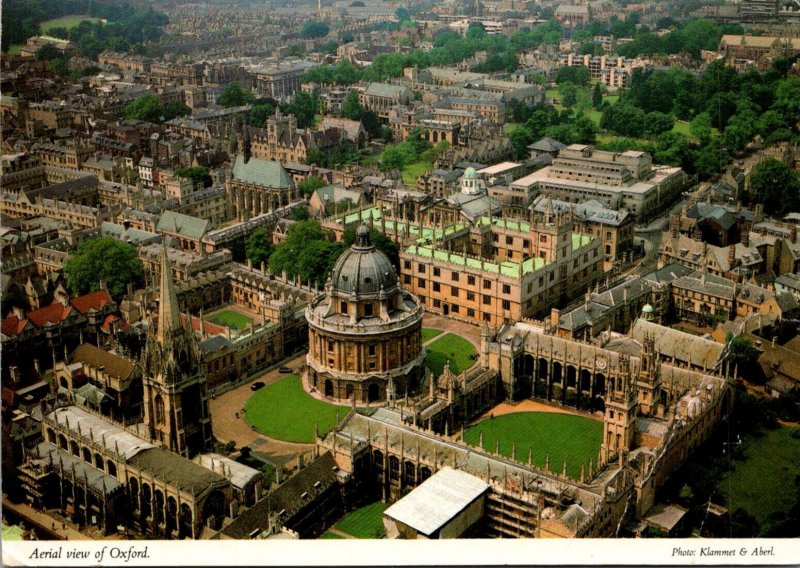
x=373, y=392
x=328, y=388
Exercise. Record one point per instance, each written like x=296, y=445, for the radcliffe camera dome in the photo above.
x=363, y=269
x=470, y=173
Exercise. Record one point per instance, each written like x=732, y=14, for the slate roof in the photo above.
x=676, y=344
x=546, y=144
x=261, y=172
x=97, y=479
x=385, y=90
x=288, y=496
x=191, y=227
x=176, y=470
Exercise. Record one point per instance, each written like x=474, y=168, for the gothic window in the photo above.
x=158, y=405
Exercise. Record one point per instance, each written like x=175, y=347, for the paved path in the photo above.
x=62, y=531
x=340, y=533
x=536, y=406
x=469, y=332
x=228, y=423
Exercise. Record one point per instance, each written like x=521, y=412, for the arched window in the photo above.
x=111, y=468
x=87, y=455
x=62, y=441
x=74, y=449
x=158, y=409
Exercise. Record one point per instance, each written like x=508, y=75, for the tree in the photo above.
x=233, y=95
x=315, y=29
x=300, y=213
x=392, y=158
x=776, y=186
x=701, y=128
x=259, y=247
x=147, y=107
x=260, y=113
x=597, y=96
x=174, y=109
x=304, y=108
x=576, y=75
x=743, y=355
x=476, y=30
x=47, y=52
x=104, y=258
x=307, y=251
x=657, y=123
x=351, y=107
x=199, y=175
x=309, y=185
x=568, y=93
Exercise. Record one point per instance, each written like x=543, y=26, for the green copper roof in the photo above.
x=506, y=268
x=261, y=172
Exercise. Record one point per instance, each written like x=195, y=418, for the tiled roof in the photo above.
x=92, y=301
x=113, y=364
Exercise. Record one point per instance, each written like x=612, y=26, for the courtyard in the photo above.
x=560, y=436
x=458, y=350
x=364, y=522
x=285, y=411
x=229, y=317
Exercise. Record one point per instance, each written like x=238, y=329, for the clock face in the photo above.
x=601, y=363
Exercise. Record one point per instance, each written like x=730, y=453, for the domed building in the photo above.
x=365, y=331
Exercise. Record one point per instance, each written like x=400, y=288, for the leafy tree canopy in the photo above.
x=307, y=251
x=115, y=261
x=198, y=174
x=233, y=95
x=259, y=247
x=315, y=29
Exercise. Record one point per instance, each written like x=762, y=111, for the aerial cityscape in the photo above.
x=400, y=269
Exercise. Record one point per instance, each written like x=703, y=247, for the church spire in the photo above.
x=169, y=317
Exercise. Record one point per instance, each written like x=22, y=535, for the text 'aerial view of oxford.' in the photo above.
x=400, y=269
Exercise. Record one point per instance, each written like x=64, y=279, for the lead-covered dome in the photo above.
x=363, y=269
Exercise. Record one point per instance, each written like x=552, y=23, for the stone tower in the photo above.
x=175, y=392
x=648, y=383
x=619, y=421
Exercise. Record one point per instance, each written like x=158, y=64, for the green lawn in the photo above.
x=429, y=333
x=765, y=482
x=230, y=318
x=413, y=170
x=68, y=22
x=563, y=436
x=285, y=411
x=452, y=347
x=331, y=536
x=364, y=522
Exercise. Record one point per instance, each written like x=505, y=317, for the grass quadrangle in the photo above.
x=230, y=318
x=285, y=411
x=364, y=522
x=453, y=347
x=561, y=436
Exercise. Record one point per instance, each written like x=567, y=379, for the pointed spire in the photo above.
x=169, y=317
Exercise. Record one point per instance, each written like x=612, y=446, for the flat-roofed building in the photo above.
x=445, y=505
x=626, y=180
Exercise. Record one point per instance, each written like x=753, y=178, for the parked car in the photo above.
x=285, y=370
x=257, y=385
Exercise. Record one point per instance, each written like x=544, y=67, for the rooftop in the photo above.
x=438, y=500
